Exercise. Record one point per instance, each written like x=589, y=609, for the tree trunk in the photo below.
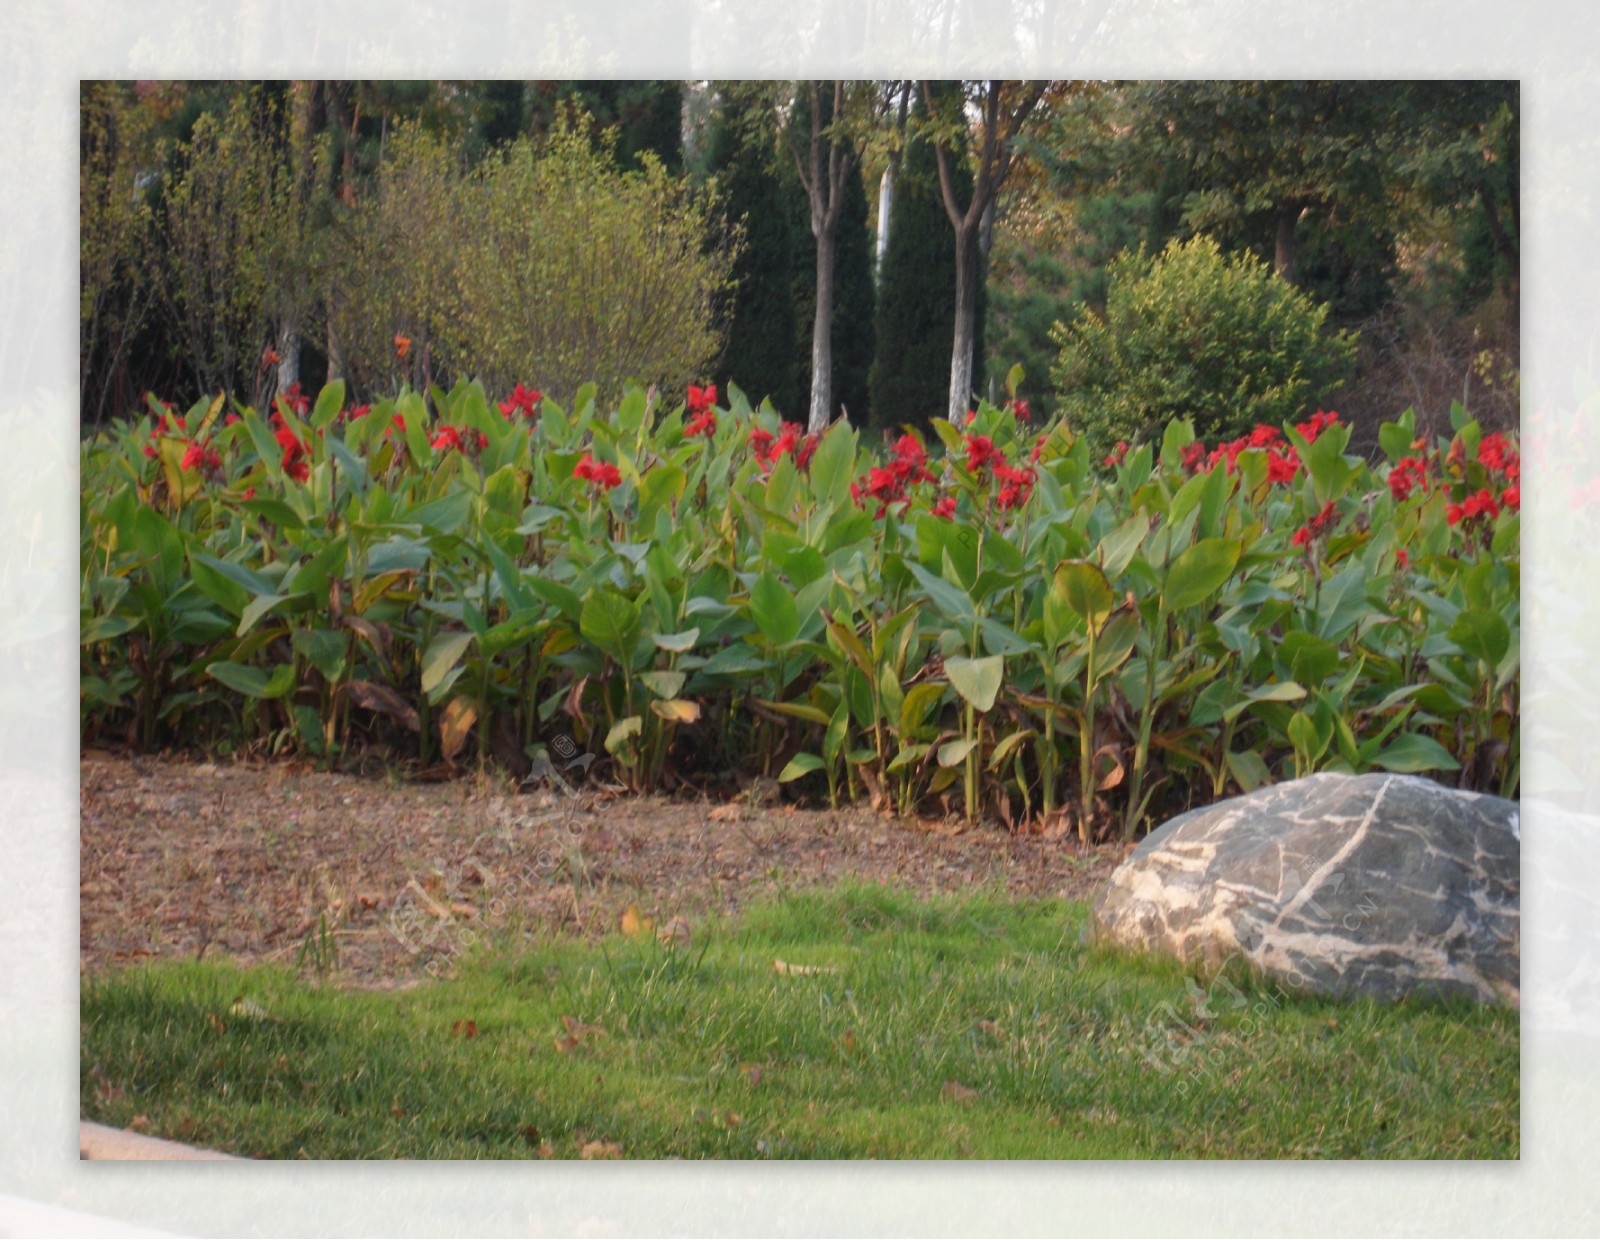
x=822, y=338
x=967, y=276
x=1283, y=258
x=885, y=202
x=288, y=352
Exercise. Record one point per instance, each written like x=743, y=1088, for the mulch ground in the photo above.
x=369, y=882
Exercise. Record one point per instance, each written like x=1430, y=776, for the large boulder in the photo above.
x=1344, y=885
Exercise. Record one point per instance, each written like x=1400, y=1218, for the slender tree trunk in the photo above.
x=288, y=351
x=822, y=338
x=967, y=276
x=1283, y=257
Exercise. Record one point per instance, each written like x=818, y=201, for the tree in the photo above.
x=916, y=294
x=854, y=306
x=1005, y=107
x=823, y=117
x=761, y=320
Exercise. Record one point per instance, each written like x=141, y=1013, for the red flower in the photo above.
x=231, y=420
x=806, y=450
x=296, y=400
x=248, y=493
x=1403, y=558
x=1020, y=411
x=972, y=416
x=402, y=346
x=603, y=474
x=200, y=454
x=703, y=423
x=1482, y=504
x=294, y=452
x=1118, y=454
x=760, y=442
x=1320, y=422
x=524, y=401
x=946, y=508
x=1281, y=466
x=1315, y=527
x=1495, y=453
x=982, y=454
x=1409, y=473
x=1511, y=497
x=1194, y=456
x=701, y=399
x=909, y=461
x=1264, y=436
x=1016, y=489
x=461, y=438
x=351, y=412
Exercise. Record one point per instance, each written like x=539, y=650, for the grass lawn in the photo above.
x=974, y=1028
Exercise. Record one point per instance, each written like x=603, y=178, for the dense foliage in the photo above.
x=1192, y=333
x=693, y=593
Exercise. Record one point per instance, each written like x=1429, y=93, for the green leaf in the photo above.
x=663, y=684
x=622, y=732
x=1410, y=753
x=442, y=654
x=1082, y=585
x=254, y=681
x=610, y=622
x=951, y=601
x=952, y=753
x=1482, y=634
x=1249, y=769
x=257, y=608
x=773, y=609
x=329, y=401
x=800, y=764
x=1200, y=572
x=325, y=649
x=977, y=680
x=833, y=463
x=914, y=710
x=1115, y=643
x=677, y=643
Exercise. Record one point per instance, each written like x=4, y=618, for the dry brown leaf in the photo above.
x=600, y=1149
x=398, y=1111
x=566, y=1046
x=1055, y=825
x=634, y=925
x=465, y=1029
x=455, y=725
x=732, y=812
x=848, y=1042
x=957, y=1092
x=801, y=970
x=675, y=933
x=580, y=1030
x=380, y=698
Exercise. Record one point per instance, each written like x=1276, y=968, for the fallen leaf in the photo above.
x=956, y=1092
x=465, y=1029
x=398, y=1111
x=801, y=970
x=633, y=925
x=566, y=1045
x=675, y=933
x=455, y=725
x=600, y=1149
x=848, y=1042
x=580, y=1030
x=216, y=1024
x=732, y=1119
x=731, y=812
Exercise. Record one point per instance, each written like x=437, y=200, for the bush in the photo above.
x=548, y=265
x=1192, y=334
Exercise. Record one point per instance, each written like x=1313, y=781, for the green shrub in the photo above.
x=1193, y=334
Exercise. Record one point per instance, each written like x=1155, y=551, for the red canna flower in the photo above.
x=1403, y=558
x=982, y=454
x=945, y=508
x=701, y=398
x=602, y=474
x=201, y=455
x=1020, y=411
x=524, y=401
x=1496, y=453
x=461, y=438
x=1481, y=504
x=296, y=400
x=1016, y=488
x=351, y=412
x=1511, y=497
x=402, y=346
x=1282, y=466
x=1118, y=454
x=1194, y=456
x=703, y=423
x=1320, y=421
x=909, y=461
x=760, y=442
x=1315, y=527
x=1409, y=473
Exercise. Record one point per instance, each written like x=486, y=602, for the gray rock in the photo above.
x=1369, y=885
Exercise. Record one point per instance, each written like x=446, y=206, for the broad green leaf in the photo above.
x=610, y=622
x=1409, y=753
x=1482, y=634
x=254, y=681
x=1200, y=572
x=977, y=680
x=623, y=731
x=663, y=684
x=442, y=654
x=833, y=464
x=800, y=764
x=678, y=643
x=953, y=753
x=951, y=601
x=773, y=609
x=1248, y=769
x=1084, y=588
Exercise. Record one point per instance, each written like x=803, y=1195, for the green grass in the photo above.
x=1070, y=1052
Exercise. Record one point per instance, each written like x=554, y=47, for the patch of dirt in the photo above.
x=373, y=883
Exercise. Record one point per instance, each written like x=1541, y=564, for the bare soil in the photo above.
x=373, y=882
